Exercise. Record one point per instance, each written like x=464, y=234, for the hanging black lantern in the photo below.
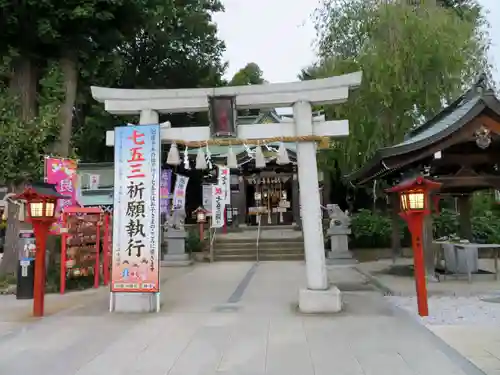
x=222, y=113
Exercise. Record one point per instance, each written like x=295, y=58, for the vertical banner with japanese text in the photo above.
x=179, y=199
x=136, y=215
x=165, y=182
x=223, y=181
x=217, y=206
x=62, y=173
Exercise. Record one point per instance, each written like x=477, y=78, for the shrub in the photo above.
x=370, y=230
x=445, y=224
x=193, y=242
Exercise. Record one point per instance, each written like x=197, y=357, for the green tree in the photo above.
x=413, y=59
x=178, y=48
x=251, y=74
x=68, y=31
x=24, y=144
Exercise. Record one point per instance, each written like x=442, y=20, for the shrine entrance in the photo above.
x=271, y=197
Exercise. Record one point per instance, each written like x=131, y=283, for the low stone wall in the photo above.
x=370, y=255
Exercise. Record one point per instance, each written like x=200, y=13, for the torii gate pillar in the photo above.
x=318, y=296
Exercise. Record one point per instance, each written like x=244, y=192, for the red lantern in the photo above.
x=414, y=198
x=41, y=199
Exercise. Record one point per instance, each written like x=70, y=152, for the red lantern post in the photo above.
x=415, y=205
x=201, y=218
x=42, y=200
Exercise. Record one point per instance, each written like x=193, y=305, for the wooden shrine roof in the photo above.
x=454, y=125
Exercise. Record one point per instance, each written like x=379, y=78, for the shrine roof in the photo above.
x=448, y=121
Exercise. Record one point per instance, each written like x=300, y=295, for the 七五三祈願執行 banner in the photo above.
x=135, y=264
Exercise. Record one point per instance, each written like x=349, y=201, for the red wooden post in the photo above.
x=415, y=224
x=64, y=239
x=106, y=250
x=202, y=230
x=41, y=229
x=97, y=267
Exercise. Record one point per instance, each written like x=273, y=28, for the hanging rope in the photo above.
x=323, y=141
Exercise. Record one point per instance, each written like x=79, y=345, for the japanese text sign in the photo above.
x=62, y=173
x=224, y=182
x=179, y=199
x=165, y=182
x=136, y=216
x=217, y=206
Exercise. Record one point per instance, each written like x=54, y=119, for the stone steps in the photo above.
x=245, y=249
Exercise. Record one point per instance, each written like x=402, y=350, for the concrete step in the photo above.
x=246, y=258
x=220, y=240
x=252, y=251
x=234, y=258
x=273, y=257
x=262, y=245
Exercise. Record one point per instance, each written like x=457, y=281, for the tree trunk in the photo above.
x=10, y=255
x=395, y=235
x=23, y=84
x=69, y=67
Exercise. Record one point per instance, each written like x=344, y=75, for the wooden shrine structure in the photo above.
x=459, y=147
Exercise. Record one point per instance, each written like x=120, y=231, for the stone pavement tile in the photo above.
x=206, y=346
x=175, y=332
x=247, y=348
x=330, y=347
x=287, y=347
x=121, y=352
x=487, y=363
x=57, y=347
x=208, y=285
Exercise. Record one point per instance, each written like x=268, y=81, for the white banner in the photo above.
x=223, y=180
x=94, y=181
x=136, y=215
x=207, y=196
x=217, y=207
x=179, y=199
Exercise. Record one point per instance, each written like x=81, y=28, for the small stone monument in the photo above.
x=338, y=231
x=176, y=241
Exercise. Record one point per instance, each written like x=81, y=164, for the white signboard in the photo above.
x=136, y=216
x=207, y=196
x=217, y=207
x=223, y=180
x=94, y=181
x=179, y=200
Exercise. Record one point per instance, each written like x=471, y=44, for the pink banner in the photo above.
x=62, y=173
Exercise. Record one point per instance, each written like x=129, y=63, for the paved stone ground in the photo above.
x=232, y=319
x=451, y=286
x=466, y=316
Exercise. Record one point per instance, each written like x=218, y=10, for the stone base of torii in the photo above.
x=317, y=296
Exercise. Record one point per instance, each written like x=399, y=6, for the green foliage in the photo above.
x=412, y=60
x=177, y=47
x=73, y=283
x=7, y=280
x=25, y=142
x=251, y=74
x=445, y=223
x=193, y=243
x=370, y=230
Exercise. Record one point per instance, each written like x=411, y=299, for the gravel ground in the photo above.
x=454, y=310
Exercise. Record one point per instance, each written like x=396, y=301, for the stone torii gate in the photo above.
x=318, y=296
